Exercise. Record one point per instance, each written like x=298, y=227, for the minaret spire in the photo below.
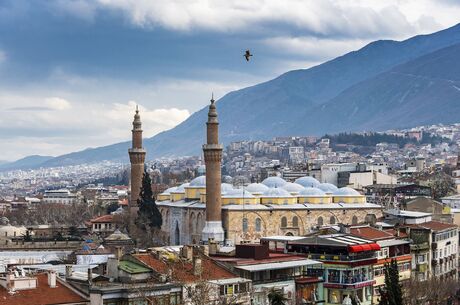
x=137, y=159
x=212, y=151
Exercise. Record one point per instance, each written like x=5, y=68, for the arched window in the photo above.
x=295, y=221
x=332, y=220
x=245, y=225
x=371, y=218
x=320, y=221
x=258, y=225
x=354, y=220
x=191, y=224
x=283, y=222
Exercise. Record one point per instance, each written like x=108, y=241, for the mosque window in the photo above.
x=245, y=225
x=332, y=220
x=295, y=221
x=320, y=221
x=354, y=220
x=283, y=222
x=258, y=225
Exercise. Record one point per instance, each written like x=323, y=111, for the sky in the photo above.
x=73, y=71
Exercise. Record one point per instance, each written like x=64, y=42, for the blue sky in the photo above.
x=71, y=72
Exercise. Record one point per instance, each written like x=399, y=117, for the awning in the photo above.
x=363, y=247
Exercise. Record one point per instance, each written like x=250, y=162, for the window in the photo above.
x=258, y=225
x=231, y=289
x=245, y=225
x=295, y=221
x=283, y=222
x=354, y=220
x=332, y=220
x=320, y=221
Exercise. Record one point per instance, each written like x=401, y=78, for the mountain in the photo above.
x=26, y=163
x=420, y=92
x=360, y=90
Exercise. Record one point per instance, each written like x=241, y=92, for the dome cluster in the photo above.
x=272, y=190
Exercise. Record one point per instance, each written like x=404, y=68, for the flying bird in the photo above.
x=247, y=55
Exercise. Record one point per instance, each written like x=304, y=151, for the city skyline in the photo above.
x=72, y=71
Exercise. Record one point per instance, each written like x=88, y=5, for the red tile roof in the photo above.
x=183, y=271
x=103, y=219
x=370, y=233
x=434, y=225
x=273, y=258
x=42, y=295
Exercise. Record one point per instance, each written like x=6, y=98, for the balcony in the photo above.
x=344, y=258
x=420, y=246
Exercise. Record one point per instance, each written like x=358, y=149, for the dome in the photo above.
x=226, y=187
x=307, y=181
x=117, y=235
x=238, y=193
x=311, y=192
x=181, y=188
x=256, y=188
x=227, y=179
x=169, y=190
x=276, y=192
x=274, y=182
x=292, y=187
x=346, y=191
x=328, y=187
x=201, y=170
x=198, y=182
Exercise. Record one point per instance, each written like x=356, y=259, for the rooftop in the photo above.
x=183, y=270
x=370, y=233
x=42, y=295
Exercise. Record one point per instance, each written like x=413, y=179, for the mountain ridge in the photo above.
x=290, y=104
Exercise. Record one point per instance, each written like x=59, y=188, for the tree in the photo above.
x=148, y=215
x=276, y=297
x=392, y=293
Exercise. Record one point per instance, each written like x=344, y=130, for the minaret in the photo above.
x=137, y=158
x=213, y=157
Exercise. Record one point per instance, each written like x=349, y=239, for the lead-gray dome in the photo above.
x=181, y=188
x=169, y=191
x=276, y=192
x=292, y=187
x=346, y=191
x=238, y=193
x=226, y=187
x=328, y=187
x=307, y=181
x=311, y=192
x=256, y=188
x=274, y=182
x=198, y=182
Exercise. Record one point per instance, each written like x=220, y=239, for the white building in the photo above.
x=62, y=196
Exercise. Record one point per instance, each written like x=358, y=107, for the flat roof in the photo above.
x=281, y=238
x=392, y=242
x=278, y=265
x=409, y=214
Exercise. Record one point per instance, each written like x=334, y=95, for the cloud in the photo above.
x=360, y=18
x=64, y=127
x=316, y=49
x=57, y=103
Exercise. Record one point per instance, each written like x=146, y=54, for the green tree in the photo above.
x=276, y=297
x=148, y=215
x=392, y=293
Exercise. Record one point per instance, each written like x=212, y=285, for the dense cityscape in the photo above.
x=231, y=152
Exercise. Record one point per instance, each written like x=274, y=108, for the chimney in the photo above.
x=187, y=252
x=90, y=275
x=52, y=279
x=68, y=271
x=344, y=228
x=197, y=266
x=213, y=248
x=112, y=267
x=118, y=252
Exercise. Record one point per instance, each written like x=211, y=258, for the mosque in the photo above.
x=207, y=209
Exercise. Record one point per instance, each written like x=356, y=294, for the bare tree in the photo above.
x=434, y=291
